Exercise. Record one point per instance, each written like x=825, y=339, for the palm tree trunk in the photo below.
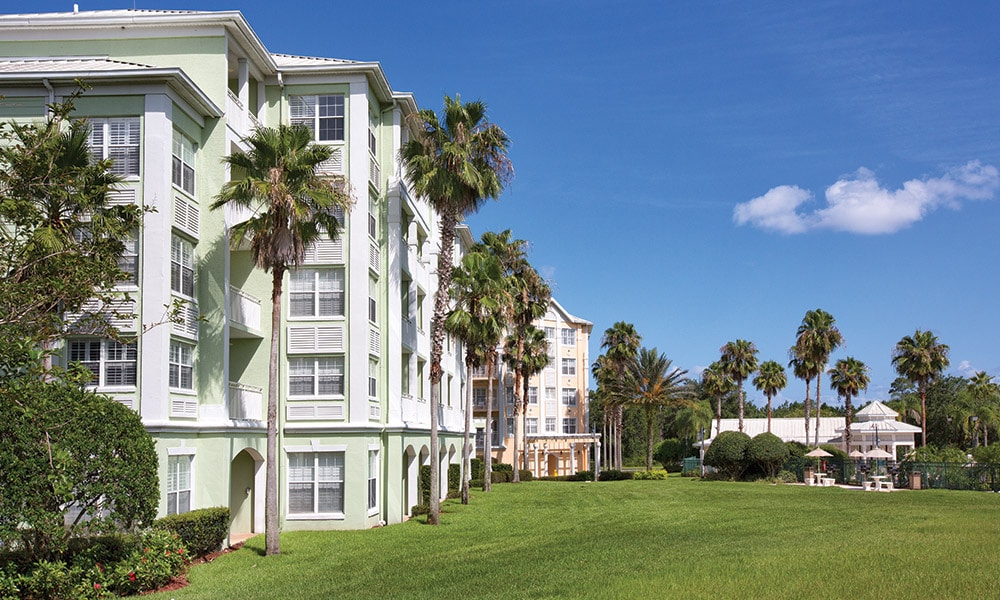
x=819, y=405
x=650, y=416
x=524, y=418
x=488, y=438
x=848, y=409
x=604, y=436
x=718, y=415
x=769, y=414
x=923, y=415
x=807, y=411
x=620, y=418
x=741, y=406
x=272, y=542
x=441, y=306
x=466, y=447
x=517, y=433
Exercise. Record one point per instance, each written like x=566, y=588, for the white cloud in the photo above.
x=965, y=368
x=859, y=204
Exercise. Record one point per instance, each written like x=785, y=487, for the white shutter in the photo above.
x=325, y=252
x=121, y=197
x=119, y=314
x=374, y=341
x=333, y=165
x=186, y=216
x=373, y=257
x=330, y=412
x=315, y=339
x=550, y=377
x=301, y=412
x=374, y=412
x=186, y=408
x=186, y=324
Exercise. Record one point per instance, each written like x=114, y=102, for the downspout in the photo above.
x=52, y=93
x=281, y=98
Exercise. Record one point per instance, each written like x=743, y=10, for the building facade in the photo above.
x=557, y=439
x=171, y=94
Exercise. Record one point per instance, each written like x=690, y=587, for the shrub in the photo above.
x=420, y=509
x=502, y=468
x=475, y=483
x=615, y=475
x=579, y=476
x=502, y=476
x=424, y=485
x=525, y=474
x=650, y=475
x=787, y=477
x=476, y=468
x=201, y=531
x=454, y=476
x=159, y=558
x=668, y=452
x=768, y=452
x=728, y=453
x=987, y=454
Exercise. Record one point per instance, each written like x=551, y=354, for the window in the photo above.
x=372, y=379
x=568, y=336
x=112, y=363
x=372, y=221
x=479, y=396
x=181, y=266
x=569, y=396
x=316, y=293
x=373, y=303
x=315, y=482
x=569, y=366
x=533, y=394
x=323, y=115
x=404, y=374
x=510, y=395
x=550, y=393
x=510, y=426
x=182, y=173
x=372, y=480
x=316, y=376
x=550, y=424
x=372, y=143
x=531, y=425
x=550, y=335
x=181, y=371
x=118, y=140
x=128, y=262
x=179, y=484
x=569, y=425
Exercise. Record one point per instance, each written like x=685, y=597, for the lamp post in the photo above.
x=701, y=438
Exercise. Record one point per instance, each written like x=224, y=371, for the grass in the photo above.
x=641, y=539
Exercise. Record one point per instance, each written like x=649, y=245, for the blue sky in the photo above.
x=711, y=171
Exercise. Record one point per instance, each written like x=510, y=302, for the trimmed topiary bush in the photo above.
x=615, y=475
x=669, y=453
x=454, y=477
x=476, y=469
x=525, y=474
x=201, y=531
x=768, y=452
x=728, y=453
x=650, y=475
x=579, y=476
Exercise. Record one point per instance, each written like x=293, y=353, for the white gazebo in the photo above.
x=875, y=426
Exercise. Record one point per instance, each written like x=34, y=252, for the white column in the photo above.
x=242, y=82
x=357, y=271
x=572, y=458
x=535, y=469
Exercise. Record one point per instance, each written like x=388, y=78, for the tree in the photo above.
x=478, y=287
x=73, y=460
x=768, y=452
x=986, y=395
x=689, y=420
x=620, y=343
x=817, y=338
x=534, y=358
x=728, y=453
x=770, y=379
x=291, y=206
x=456, y=162
x=848, y=377
x=62, y=241
x=651, y=383
x=739, y=360
x=716, y=381
x=803, y=368
x=920, y=358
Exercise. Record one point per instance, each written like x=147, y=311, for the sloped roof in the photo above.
x=876, y=411
x=66, y=65
x=291, y=60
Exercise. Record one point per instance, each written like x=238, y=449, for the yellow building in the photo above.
x=557, y=440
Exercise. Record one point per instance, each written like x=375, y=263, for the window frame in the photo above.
x=104, y=361
x=182, y=171
x=373, y=469
x=569, y=423
x=569, y=396
x=567, y=336
x=531, y=425
x=550, y=424
x=317, y=122
x=567, y=366
x=316, y=481
x=532, y=394
x=174, y=463
x=337, y=298
x=337, y=379
x=182, y=271
x=103, y=148
x=175, y=363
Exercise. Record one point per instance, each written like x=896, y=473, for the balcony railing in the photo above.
x=244, y=309
x=245, y=402
x=237, y=115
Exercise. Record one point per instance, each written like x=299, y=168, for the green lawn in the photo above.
x=642, y=539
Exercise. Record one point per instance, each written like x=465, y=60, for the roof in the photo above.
x=56, y=65
x=569, y=317
x=876, y=411
x=790, y=429
x=290, y=60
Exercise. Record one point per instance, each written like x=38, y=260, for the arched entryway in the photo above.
x=411, y=479
x=246, y=505
x=552, y=469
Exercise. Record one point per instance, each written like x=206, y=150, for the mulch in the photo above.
x=181, y=580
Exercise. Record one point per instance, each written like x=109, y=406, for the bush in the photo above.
x=525, y=474
x=502, y=476
x=201, y=531
x=579, y=476
x=987, y=454
x=476, y=468
x=787, y=477
x=668, y=452
x=475, y=483
x=650, y=475
x=614, y=475
x=420, y=509
x=424, y=485
x=160, y=557
x=502, y=468
x=728, y=453
x=454, y=477
x=768, y=452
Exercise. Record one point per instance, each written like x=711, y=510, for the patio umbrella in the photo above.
x=818, y=453
x=857, y=454
x=876, y=453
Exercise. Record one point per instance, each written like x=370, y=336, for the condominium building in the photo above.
x=171, y=94
x=557, y=440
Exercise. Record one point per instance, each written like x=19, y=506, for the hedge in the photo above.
x=201, y=531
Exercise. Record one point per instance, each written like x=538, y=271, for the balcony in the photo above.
x=244, y=315
x=409, y=333
x=238, y=117
x=246, y=402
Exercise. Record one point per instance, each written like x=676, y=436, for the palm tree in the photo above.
x=848, y=377
x=770, y=379
x=691, y=419
x=806, y=370
x=478, y=287
x=986, y=393
x=534, y=358
x=529, y=298
x=920, y=358
x=717, y=382
x=621, y=345
x=605, y=398
x=817, y=338
x=456, y=162
x=649, y=382
x=739, y=360
x=291, y=207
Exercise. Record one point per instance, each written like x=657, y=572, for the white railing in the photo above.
x=237, y=115
x=409, y=333
x=244, y=309
x=245, y=402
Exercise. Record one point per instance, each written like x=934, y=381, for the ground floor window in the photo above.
x=179, y=484
x=372, y=480
x=315, y=482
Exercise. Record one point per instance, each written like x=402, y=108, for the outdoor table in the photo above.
x=819, y=478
